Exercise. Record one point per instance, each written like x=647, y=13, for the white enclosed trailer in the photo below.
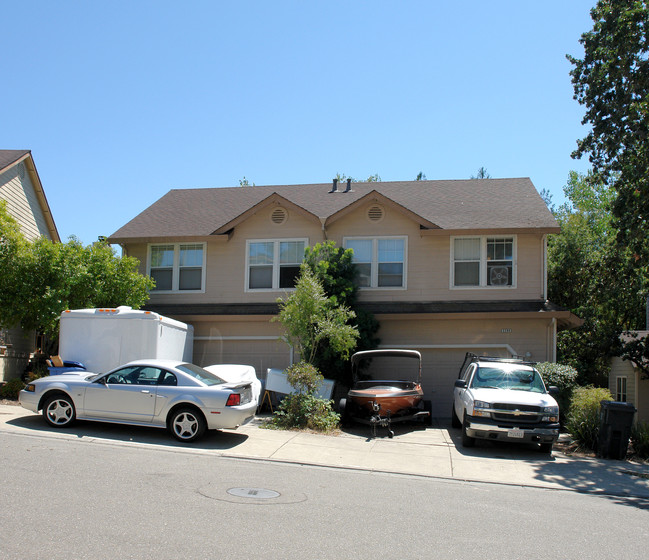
x=103, y=339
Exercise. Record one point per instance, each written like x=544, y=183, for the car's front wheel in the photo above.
x=58, y=411
x=187, y=424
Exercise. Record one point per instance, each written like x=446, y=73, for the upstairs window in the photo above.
x=274, y=264
x=483, y=262
x=381, y=261
x=177, y=267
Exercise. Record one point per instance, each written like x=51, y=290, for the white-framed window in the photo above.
x=381, y=261
x=483, y=262
x=273, y=264
x=177, y=267
x=620, y=389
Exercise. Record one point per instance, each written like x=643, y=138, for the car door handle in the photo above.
x=146, y=391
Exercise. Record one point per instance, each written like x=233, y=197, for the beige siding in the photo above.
x=428, y=261
x=637, y=388
x=623, y=368
x=17, y=189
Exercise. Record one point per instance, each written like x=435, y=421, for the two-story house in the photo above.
x=21, y=188
x=446, y=266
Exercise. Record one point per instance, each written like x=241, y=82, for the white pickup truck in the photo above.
x=504, y=399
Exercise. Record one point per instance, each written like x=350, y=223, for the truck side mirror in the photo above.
x=461, y=383
x=553, y=390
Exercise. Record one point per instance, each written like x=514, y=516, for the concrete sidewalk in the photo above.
x=432, y=452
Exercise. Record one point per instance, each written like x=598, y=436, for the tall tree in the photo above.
x=612, y=82
x=334, y=268
x=577, y=277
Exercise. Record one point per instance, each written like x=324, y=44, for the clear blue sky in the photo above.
x=122, y=101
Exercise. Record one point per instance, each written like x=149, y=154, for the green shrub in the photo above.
x=640, y=439
x=583, y=419
x=299, y=411
x=565, y=379
x=11, y=389
x=304, y=378
x=303, y=410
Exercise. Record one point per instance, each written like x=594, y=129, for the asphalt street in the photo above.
x=99, y=498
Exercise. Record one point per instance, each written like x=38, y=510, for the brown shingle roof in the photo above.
x=7, y=157
x=471, y=204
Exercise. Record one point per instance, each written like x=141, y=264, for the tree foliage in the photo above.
x=577, y=277
x=311, y=319
x=41, y=279
x=482, y=174
x=341, y=177
x=586, y=274
x=335, y=270
x=612, y=82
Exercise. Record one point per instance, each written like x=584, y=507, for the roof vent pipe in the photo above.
x=349, y=185
x=335, y=186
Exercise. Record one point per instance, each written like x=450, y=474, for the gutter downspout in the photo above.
x=552, y=340
x=324, y=231
x=544, y=267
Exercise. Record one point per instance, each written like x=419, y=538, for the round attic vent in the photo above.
x=375, y=213
x=279, y=215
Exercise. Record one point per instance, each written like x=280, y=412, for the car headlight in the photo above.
x=551, y=414
x=30, y=388
x=481, y=408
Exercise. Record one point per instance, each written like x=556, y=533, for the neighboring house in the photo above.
x=21, y=187
x=626, y=383
x=446, y=267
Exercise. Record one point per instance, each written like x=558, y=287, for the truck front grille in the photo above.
x=522, y=413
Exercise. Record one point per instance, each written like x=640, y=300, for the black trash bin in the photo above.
x=615, y=421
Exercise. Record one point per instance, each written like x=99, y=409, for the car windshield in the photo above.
x=496, y=377
x=201, y=374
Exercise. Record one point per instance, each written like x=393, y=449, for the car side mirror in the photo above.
x=461, y=383
x=553, y=390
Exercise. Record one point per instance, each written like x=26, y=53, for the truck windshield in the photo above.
x=201, y=374
x=496, y=377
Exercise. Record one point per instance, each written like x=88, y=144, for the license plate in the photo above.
x=515, y=433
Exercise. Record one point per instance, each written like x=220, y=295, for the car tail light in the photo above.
x=233, y=400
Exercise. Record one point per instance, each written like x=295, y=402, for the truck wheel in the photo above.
x=545, y=448
x=58, y=411
x=455, y=421
x=467, y=440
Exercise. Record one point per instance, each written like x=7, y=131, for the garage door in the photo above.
x=261, y=354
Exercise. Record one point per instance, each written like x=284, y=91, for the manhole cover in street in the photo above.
x=255, y=493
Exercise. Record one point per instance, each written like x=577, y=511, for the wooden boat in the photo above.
x=380, y=402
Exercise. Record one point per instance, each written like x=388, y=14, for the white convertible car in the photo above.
x=184, y=398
